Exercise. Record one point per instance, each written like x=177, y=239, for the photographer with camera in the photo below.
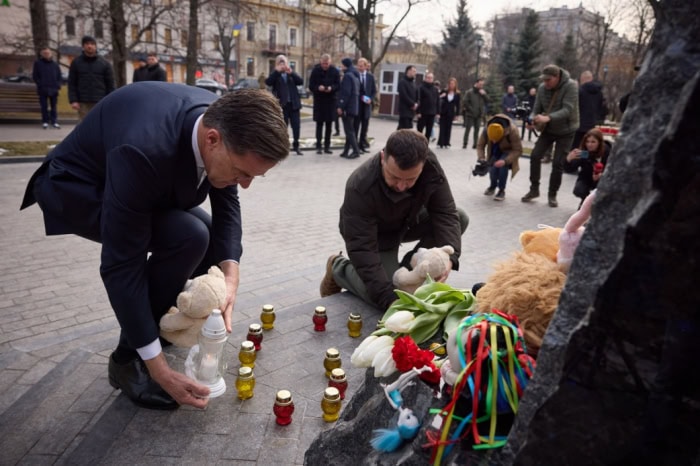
x=556, y=117
x=590, y=160
x=501, y=142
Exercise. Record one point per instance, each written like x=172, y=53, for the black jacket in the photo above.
x=47, y=76
x=324, y=102
x=286, y=92
x=149, y=73
x=375, y=218
x=90, y=79
x=408, y=96
x=590, y=105
x=428, y=99
x=349, y=97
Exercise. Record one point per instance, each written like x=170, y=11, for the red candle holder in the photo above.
x=319, y=319
x=339, y=381
x=283, y=408
x=255, y=335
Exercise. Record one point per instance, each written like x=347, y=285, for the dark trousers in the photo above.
x=44, y=101
x=326, y=135
x=499, y=176
x=292, y=116
x=445, y=131
x=426, y=122
x=529, y=132
x=562, y=144
x=350, y=137
x=361, y=125
x=469, y=123
x=336, y=120
x=405, y=122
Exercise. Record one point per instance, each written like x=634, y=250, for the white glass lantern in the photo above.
x=205, y=362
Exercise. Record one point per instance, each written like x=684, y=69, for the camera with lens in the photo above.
x=523, y=112
x=481, y=168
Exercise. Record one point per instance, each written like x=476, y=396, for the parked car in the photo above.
x=18, y=78
x=211, y=85
x=246, y=83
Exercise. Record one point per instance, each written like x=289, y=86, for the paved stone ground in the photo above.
x=57, y=328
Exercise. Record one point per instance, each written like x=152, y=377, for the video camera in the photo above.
x=523, y=112
x=481, y=169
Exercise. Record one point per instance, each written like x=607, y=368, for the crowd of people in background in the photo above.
x=561, y=113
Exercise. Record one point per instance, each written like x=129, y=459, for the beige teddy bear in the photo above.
x=181, y=325
x=433, y=262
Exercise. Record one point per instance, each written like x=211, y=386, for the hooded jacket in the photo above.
x=375, y=218
x=564, y=110
x=591, y=106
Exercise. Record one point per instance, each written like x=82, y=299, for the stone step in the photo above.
x=42, y=424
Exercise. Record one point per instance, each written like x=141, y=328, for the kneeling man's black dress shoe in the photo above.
x=134, y=380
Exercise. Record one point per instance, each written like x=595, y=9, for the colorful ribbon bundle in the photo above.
x=496, y=369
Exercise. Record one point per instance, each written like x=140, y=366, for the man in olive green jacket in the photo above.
x=475, y=100
x=556, y=107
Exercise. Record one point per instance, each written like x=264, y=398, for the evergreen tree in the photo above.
x=528, y=52
x=457, y=52
x=567, y=56
x=508, y=66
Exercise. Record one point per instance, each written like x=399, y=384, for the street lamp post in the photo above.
x=479, y=44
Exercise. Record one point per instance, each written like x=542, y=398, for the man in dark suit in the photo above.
x=348, y=107
x=324, y=83
x=136, y=192
x=284, y=82
x=408, y=98
x=368, y=91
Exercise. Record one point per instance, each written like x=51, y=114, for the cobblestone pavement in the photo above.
x=57, y=328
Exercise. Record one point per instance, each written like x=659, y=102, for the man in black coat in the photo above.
x=428, y=105
x=90, y=78
x=408, y=98
x=591, y=106
x=368, y=92
x=136, y=191
x=47, y=76
x=397, y=196
x=348, y=107
x=150, y=70
x=324, y=83
x=284, y=81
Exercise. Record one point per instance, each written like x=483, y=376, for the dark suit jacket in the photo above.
x=286, y=92
x=370, y=90
x=130, y=158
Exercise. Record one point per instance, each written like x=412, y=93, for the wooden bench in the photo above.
x=19, y=98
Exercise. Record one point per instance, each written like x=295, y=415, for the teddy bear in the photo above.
x=530, y=283
x=181, y=325
x=433, y=262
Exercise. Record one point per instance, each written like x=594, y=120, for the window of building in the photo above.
x=292, y=37
x=215, y=41
x=99, y=29
x=168, y=37
x=250, y=66
x=184, y=36
x=70, y=26
x=272, y=37
x=341, y=44
x=250, y=31
x=149, y=35
x=134, y=32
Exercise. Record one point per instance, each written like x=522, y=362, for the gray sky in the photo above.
x=428, y=20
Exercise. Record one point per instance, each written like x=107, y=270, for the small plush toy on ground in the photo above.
x=433, y=262
x=181, y=324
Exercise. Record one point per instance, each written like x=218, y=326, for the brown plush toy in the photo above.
x=181, y=325
x=528, y=285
